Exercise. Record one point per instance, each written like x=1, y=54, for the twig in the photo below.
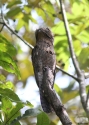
x=4, y=22
x=80, y=74
x=87, y=101
x=1, y=28
x=66, y=73
x=76, y=65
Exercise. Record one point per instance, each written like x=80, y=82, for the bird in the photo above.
x=43, y=56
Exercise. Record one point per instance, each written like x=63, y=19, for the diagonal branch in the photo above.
x=53, y=98
x=76, y=65
x=5, y=24
x=87, y=101
x=66, y=73
x=80, y=74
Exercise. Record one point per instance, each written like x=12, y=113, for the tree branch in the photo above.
x=80, y=74
x=2, y=28
x=76, y=65
x=66, y=73
x=53, y=98
x=5, y=24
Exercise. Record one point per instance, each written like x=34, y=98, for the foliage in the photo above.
x=10, y=102
x=24, y=16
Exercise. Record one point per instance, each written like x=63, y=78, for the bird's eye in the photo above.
x=47, y=29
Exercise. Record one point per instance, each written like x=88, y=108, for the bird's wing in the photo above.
x=37, y=65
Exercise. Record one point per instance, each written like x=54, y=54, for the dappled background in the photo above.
x=24, y=17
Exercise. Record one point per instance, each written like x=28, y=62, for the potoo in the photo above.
x=43, y=57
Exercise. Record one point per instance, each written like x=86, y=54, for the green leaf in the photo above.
x=1, y=123
x=17, y=123
x=13, y=3
x=83, y=59
x=28, y=113
x=67, y=96
x=83, y=36
x=61, y=50
x=8, y=63
x=81, y=27
x=6, y=51
x=29, y=104
x=48, y=7
x=14, y=11
x=14, y=113
x=20, y=24
x=6, y=66
x=75, y=7
x=48, y=10
x=32, y=19
x=6, y=57
x=6, y=46
x=77, y=47
x=2, y=78
x=6, y=105
x=27, y=9
x=41, y=13
x=1, y=117
x=31, y=112
x=42, y=119
x=59, y=29
x=58, y=89
x=9, y=93
x=8, y=85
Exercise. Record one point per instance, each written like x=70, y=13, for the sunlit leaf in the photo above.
x=83, y=36
x=14, y=11
x=58, y=89
x=27, y=69
x=6, y=105
x=8, y=63
x=48, y=7
x=13, y=3
x=2, y=78
x=42, y=119
x=14, y=112
x=32, y=19
x=77, y=47
x=6, y=66
x=61, y=50
x=75, y=7
x=6, y=46
x=40, y=12
x=67, y=96
x=81, y=27
x=20, y=24
x=59, y=29
x=8, y=85
x=84, y=56
x=27, y=9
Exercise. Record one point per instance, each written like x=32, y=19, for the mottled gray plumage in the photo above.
x=43, y=56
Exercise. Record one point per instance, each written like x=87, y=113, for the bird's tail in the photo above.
x=44, y=103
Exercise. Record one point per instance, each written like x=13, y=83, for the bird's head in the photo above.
x=44, y=33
